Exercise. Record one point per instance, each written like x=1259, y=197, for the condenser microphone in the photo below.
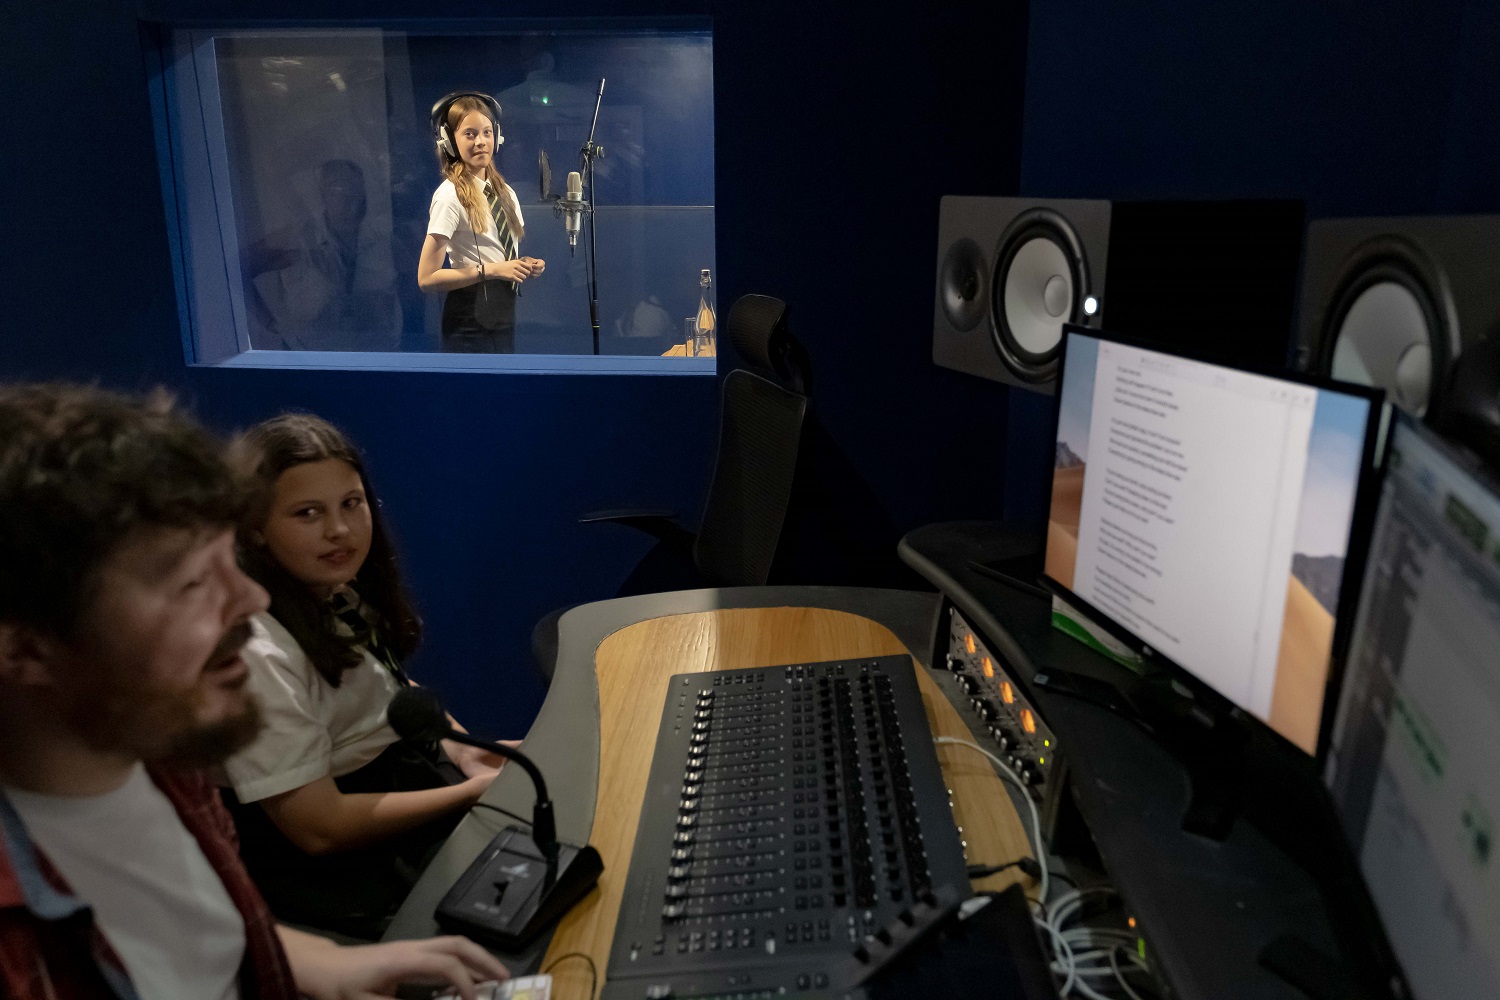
x=509, y=893
x=573, y=206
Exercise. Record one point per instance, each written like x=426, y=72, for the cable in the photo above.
x=1090, y=953
x=1027, y=865
x=593, y=969
x=1076, y=951
x=1114, y=966
x=1036, y=820
x=506, y=812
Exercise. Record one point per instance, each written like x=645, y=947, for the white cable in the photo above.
x=1090, y=992
x=1090, y=945
x=1064, y=963
x=1099, y=944
x=1036, y=822
x=1114, y=967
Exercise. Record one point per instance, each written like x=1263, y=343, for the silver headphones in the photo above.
x=445, y=143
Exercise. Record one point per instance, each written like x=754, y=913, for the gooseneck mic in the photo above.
x=573, y=206
x=520, y=883
x=417, y=714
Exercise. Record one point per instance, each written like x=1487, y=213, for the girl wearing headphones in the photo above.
x=475, y=223
x=337, y=814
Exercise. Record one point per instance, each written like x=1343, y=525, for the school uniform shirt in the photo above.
x=312, y=729
x=447, y=218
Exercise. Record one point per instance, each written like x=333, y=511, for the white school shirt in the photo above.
x=155, y=897
x=447, y=218
x=312, y=729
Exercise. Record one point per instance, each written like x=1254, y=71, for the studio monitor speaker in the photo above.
x=1393, y=302
x=1215, y=277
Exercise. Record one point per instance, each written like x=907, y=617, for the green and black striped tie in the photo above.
x=507, y=238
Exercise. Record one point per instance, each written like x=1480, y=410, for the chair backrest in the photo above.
x=757, y=328
x=760, y=432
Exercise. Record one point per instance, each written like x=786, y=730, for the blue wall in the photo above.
x=1355, y=108
x=836, y=134
x=1359, y=109
x=480, y=475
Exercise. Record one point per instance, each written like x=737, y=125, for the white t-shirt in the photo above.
x=155, y=897
x=312, y=728
x=447, y=218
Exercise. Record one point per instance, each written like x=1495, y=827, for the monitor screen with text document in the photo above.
x=1206, y=512
x=1414, y=763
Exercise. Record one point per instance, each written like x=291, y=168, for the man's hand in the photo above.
x=326, y=971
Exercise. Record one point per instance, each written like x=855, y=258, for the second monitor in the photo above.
x=1204, y=513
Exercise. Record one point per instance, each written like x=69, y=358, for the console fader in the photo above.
x=790, y=814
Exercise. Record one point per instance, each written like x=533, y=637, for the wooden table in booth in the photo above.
x=681, y=351
x=631, y=666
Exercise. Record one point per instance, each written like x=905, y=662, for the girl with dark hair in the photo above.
x=337, y=814
x=475, y=224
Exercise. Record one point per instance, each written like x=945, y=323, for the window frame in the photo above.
x=203, y=237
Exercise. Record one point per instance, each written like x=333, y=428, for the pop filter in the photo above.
x=544, y=170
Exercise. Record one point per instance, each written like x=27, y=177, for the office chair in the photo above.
x=762, y=409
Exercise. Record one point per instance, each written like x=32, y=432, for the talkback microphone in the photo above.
x=573, y=206
x=509, y=893
x=417, y=714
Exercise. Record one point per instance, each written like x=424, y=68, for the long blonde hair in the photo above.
x=469, y=187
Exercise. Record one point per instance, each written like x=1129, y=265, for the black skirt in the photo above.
x=480, y=319
x=355, y=892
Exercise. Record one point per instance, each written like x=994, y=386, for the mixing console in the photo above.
x=791, y=814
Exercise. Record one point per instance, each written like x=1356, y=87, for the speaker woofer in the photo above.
x=1387, y=326
x=963, y=283
x=1041, y=279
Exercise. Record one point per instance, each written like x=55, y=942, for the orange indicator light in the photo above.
x=1007, y=693
x=969, y=642
x=987, y=667
x=1028, y=721
x=1131, y=922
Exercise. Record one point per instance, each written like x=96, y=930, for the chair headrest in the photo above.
x=758, y=329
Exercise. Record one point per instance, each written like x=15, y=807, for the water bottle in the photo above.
x=706, y=320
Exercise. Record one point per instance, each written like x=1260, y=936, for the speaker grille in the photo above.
x=1384, y=327
x=1041, y=279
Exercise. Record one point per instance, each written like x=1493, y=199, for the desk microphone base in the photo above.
x=508, y=896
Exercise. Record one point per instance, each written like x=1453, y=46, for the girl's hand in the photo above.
x=537, y=265
x=511, y=270
x=472, y=760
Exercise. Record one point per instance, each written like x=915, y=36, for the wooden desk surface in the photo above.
x=633, y=665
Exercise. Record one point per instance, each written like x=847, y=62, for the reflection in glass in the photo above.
x=327, y=283
x=316, y=166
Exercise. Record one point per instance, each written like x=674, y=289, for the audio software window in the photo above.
x=327, y=210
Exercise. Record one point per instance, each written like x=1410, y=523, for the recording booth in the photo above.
x=1221, y=731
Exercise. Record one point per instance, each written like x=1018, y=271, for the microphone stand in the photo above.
x=504, y=897
x=543, y=821
x=499, y=898
x=587, y=155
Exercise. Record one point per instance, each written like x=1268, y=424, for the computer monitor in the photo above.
x=1413, y=761
x=1203, y=513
